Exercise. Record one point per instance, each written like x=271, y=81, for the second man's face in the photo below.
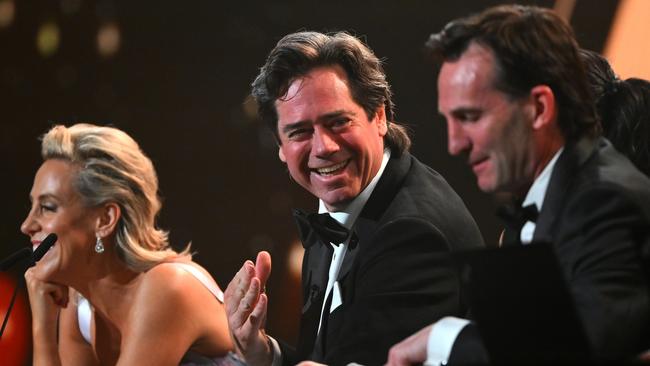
x=493, y=130
x=330, y=147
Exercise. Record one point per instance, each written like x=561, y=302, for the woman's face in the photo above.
x=56, y=207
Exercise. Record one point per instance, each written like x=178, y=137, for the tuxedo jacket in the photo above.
x=596, y=213
x=397, y=276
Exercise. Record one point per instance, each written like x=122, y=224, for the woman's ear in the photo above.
x=109, y=215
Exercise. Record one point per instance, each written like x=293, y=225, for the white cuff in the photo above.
x=441, y=339
x=277, y=353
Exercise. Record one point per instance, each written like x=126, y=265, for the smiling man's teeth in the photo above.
x=332, y=168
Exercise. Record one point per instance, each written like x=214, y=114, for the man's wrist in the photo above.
x=441, y=339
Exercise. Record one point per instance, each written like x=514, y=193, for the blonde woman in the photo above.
x=111, y=291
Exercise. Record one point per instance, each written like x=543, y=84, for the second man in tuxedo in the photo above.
x=513, y=91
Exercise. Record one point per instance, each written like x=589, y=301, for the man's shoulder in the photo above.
x=599, y=178
x=609, y=170
x=423, y=191
x=424, y=198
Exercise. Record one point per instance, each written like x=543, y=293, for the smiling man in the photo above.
x=376, y=264
x=513, y=91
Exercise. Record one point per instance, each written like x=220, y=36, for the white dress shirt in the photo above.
x=347, y=216
x=444, y=332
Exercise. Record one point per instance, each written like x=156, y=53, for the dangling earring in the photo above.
x=99, y=246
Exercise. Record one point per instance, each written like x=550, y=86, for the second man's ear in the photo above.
x=544, y=104
x=281, y=154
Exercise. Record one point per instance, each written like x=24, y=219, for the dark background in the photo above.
x=179, y=85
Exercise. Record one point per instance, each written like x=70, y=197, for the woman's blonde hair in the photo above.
x=112, y=168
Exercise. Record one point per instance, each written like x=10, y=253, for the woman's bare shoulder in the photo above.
x=179, y=278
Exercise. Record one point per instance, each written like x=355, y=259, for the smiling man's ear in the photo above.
x=281, y=154
x=380, y=117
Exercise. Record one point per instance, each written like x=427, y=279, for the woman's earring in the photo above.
x=99, y=246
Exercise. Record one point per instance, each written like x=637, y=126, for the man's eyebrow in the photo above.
x=293, y=126
x=337, y=113
x=462, y=110
x=466, y=110
x=296, y=125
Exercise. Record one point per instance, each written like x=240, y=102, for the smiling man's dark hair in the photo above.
x=298, y=53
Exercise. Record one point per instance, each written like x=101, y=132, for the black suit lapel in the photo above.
x=315, y=273
x=366, y=223
x=353, y=249
x=316, y=261
x=387, y=187
x=562, y=178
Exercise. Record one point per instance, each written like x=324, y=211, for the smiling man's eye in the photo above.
x=341, y=121
x=297, y=133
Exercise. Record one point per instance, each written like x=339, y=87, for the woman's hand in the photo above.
x=45, y=299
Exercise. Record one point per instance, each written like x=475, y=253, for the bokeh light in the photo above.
x=294, y=258
x=250, y=108
x=48, y=39
x=7, y=13
x=108, y=39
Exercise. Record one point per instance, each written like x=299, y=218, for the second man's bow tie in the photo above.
x=324, y=226
x=516, y=216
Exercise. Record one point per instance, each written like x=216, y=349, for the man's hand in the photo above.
x=246, y=305
x=412, y=350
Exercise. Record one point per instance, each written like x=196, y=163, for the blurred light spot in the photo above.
x=47, y=39
x=629, y=32
x=108, y=39
x=564, y=8
x=250, y=107
x=7, y=12
x=69, y=7
x=294, y=258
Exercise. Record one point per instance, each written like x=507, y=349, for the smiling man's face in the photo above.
x=327, y=141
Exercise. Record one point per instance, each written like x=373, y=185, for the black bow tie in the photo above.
x=323, y=225
x=515, y=216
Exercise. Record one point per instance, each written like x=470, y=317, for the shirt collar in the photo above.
x=537, y=191
x=348, y=214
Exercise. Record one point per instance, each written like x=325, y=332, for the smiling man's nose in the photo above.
x=323, y=142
